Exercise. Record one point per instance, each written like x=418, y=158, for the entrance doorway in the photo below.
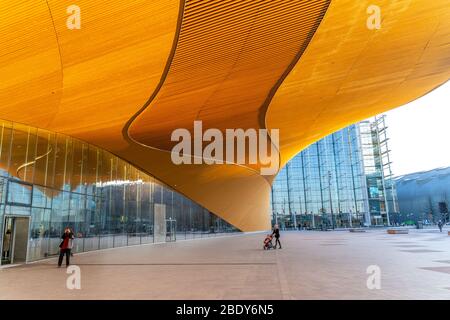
x=15, y=239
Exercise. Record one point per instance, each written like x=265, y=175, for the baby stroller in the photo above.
x=268, y=242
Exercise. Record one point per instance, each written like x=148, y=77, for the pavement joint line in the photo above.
x=284, y=285
x=170, y=264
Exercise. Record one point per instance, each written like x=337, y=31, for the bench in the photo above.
x=357, y=230
x=398, y=231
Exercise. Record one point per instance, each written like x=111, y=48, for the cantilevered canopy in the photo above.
x=137, y=70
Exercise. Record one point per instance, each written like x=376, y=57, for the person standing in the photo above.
x=6, y=245
x=65, y=246
x=276, y=233
x=440, y=224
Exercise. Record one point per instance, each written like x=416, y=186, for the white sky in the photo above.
x=419, y=133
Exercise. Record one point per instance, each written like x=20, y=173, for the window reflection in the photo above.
x=336, y=181
x=107, y=202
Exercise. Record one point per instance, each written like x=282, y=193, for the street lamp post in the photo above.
x=331, y=202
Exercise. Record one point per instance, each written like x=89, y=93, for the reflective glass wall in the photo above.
x=58, y=181
x=341, y=181
x=323, y=186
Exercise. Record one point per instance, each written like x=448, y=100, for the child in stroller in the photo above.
x=268, y=242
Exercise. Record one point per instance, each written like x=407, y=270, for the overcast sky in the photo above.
x=419, y=133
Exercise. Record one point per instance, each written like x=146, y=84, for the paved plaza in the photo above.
x=311, y=265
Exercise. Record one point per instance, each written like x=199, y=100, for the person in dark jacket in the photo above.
x=65, y=246
x=440, y=225
x=276, y=233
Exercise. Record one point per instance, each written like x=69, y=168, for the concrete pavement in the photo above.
x=311, y=265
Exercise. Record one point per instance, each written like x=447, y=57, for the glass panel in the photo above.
x=45, y=153
x=23, y=152
x=39, y=234
x=60, y=162
x=19, y=193
x=42, y=197
x=77, y=217
x=79, y=154
x=5, y=145
x=91, y=168
x=106, y=241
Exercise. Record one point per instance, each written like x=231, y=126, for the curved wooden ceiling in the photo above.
x=165, y=63
x=349, y=73
x=225, y=47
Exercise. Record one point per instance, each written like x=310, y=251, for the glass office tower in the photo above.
x=341, y=181
x=49, y=181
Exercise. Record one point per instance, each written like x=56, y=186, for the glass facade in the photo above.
x=328, y=184
x=57, y=181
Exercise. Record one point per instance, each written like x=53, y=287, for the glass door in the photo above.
x=15, y=239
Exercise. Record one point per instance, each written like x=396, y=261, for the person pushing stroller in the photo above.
x=268, y=240
x=276, y=233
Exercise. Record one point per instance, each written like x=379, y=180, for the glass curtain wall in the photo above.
x=59, y=181
x=322, y=187
x=341, y=181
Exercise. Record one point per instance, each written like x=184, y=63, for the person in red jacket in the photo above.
x=65, y=246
